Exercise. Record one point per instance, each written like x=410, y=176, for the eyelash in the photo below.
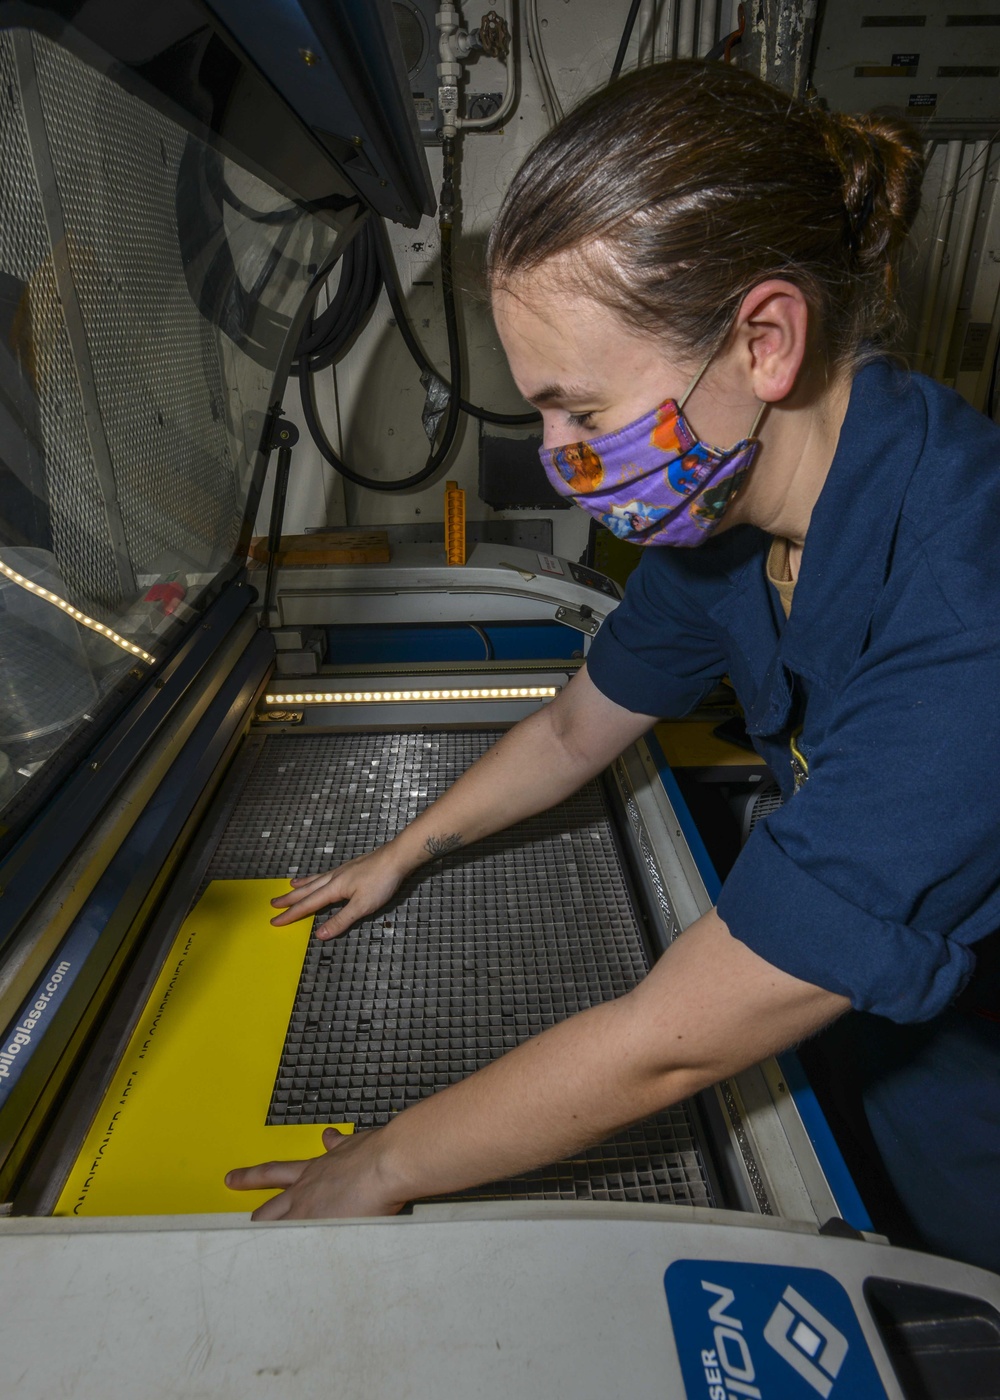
x=580, y=420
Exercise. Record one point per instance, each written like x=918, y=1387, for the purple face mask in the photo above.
x=652, y=482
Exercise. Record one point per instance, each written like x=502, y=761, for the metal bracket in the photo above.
x=581, y=618
x=278, y=432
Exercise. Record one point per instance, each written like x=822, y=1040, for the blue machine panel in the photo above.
x=753, y=1331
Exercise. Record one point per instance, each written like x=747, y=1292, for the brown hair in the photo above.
x=684, y=185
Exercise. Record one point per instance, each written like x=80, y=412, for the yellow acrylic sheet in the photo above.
x=190, y=1097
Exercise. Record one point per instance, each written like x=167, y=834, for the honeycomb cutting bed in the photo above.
x=477, y=951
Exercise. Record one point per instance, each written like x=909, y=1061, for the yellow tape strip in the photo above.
x=190, y=1097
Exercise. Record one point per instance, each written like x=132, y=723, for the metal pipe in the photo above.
x=663, y=35
x=685, y=28
x=932, y=282
x=960, y=255
x=667, y=29
x=708, y=25
x=646, y=26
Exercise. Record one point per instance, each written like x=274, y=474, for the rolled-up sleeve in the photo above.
x=791, y=919
x=877, y=879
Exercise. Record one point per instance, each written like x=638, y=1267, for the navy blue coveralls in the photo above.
x=882, y=875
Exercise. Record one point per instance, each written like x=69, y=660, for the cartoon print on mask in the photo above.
x=671, y=436
x=579, y=466
x=670, y=433
x=630, y=520
x=683, y=475
x=708, y=508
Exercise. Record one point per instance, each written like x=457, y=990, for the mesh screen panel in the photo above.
x=155, y=282
x=116, y=163
x=41, y=345
x=475, y=954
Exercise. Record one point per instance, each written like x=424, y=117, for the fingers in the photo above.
x=340, y=1182
x=308, y=902
x=302, y=911
x=264, y=1176
x=302, y=888
x=297, y=881
x=342, y=919
x=333, y=1138
x=274, y=1209
x=303, y=885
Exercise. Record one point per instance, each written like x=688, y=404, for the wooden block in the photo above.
x=340, y=546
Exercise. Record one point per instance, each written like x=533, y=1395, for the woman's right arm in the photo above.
x=542, y=760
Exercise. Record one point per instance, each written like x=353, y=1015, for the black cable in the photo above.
x=367, y=266
x=329, y=455
x=326, y=336
x=616, y=67
x=390, y=278
x=360, y=303
x=314, y=336
x=438, y=455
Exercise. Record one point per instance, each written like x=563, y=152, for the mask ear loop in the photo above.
x=756, y=422
x=762, y=409
x=693, y=385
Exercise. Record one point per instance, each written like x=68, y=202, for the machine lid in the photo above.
x=311, y=94
x=168, y=210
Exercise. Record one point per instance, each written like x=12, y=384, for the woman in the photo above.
x=740, y=272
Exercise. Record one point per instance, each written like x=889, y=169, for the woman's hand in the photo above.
x=361, y=885
x=345, y=1182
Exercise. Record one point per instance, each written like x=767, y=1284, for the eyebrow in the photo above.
x=560, y=394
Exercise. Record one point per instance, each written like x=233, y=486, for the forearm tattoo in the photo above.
x=441, y=845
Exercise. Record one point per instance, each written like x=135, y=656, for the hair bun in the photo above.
x=882, y=161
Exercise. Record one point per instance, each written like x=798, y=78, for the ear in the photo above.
x=772, y=332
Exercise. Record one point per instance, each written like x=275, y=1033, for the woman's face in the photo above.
x=589, y=373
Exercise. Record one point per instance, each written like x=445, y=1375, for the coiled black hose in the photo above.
x=439, y=453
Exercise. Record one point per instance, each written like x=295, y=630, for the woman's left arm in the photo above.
x=709, y=1008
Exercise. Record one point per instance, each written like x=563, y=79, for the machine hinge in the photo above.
x=277, y=432
x=581, y=618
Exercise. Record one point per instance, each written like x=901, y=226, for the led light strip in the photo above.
x=74, y=613
x=382, y=697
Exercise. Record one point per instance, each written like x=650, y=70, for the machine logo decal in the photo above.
x=799, y=1333
x=767, y=1332
x=21, y=1037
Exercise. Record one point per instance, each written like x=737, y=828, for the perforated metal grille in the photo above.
x=41, y=344
x=116, y=161
x=475, y=954
x=763, y=804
